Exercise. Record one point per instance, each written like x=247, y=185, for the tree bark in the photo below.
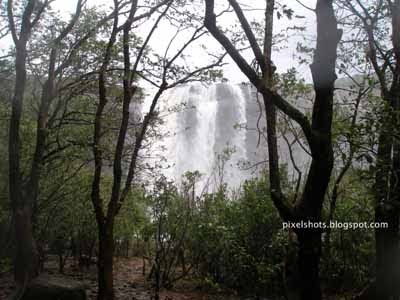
x=317, y=134
x=105, y=263
x=308, y=263
x=387, y=177
x=105, y=219
x=26, y=262
x=310, y=205
x=386, y=186
x=385, y=239
x=24, y=196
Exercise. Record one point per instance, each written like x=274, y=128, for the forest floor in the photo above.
x=129, y=283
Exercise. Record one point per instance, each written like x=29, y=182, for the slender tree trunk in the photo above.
x=24, y=196
x=384, y=213
x=318, y=133
x=387, y=249
x=387, y=178
x=105, y=264
x=26, y=257
x=395, y=220
x=309, y=207
x=395, y=247
x=26, y=262
x=387, y=193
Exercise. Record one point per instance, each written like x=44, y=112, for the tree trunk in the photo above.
x=105, y=264
x=386, y=254
x=383, y=213
x=26, y=257
x=387, y=184
x=308, y=209
x=26, y=262
x=318, y=133
x=387, y=193
x=395, y=218
x=308, y=264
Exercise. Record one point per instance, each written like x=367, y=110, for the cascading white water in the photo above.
x=204, y=124
x=191, y=148
x=230, y=136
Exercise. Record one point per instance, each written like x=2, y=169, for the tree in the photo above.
x=382, y=54
x=317, y=131
x=165, y=69
x=54, y=67
x=26, y=257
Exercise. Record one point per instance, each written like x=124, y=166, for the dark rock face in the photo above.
x=49, y=288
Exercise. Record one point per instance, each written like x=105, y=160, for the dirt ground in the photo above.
x=129, y=283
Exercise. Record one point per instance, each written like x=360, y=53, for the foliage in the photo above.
x=240, y=242
x=223, y=239
x=237, y=244
x=348, y=257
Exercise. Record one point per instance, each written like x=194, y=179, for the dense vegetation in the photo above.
x=81, y=184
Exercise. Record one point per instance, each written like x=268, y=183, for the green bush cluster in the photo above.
x=236, y=241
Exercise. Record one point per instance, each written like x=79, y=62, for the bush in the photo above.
x=240, y=243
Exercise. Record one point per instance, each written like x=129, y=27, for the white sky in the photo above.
x=283, y=58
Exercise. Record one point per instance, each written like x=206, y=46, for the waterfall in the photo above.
x=219, y=131
x=229, y=134
x=203, y=124
x=192, y=146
